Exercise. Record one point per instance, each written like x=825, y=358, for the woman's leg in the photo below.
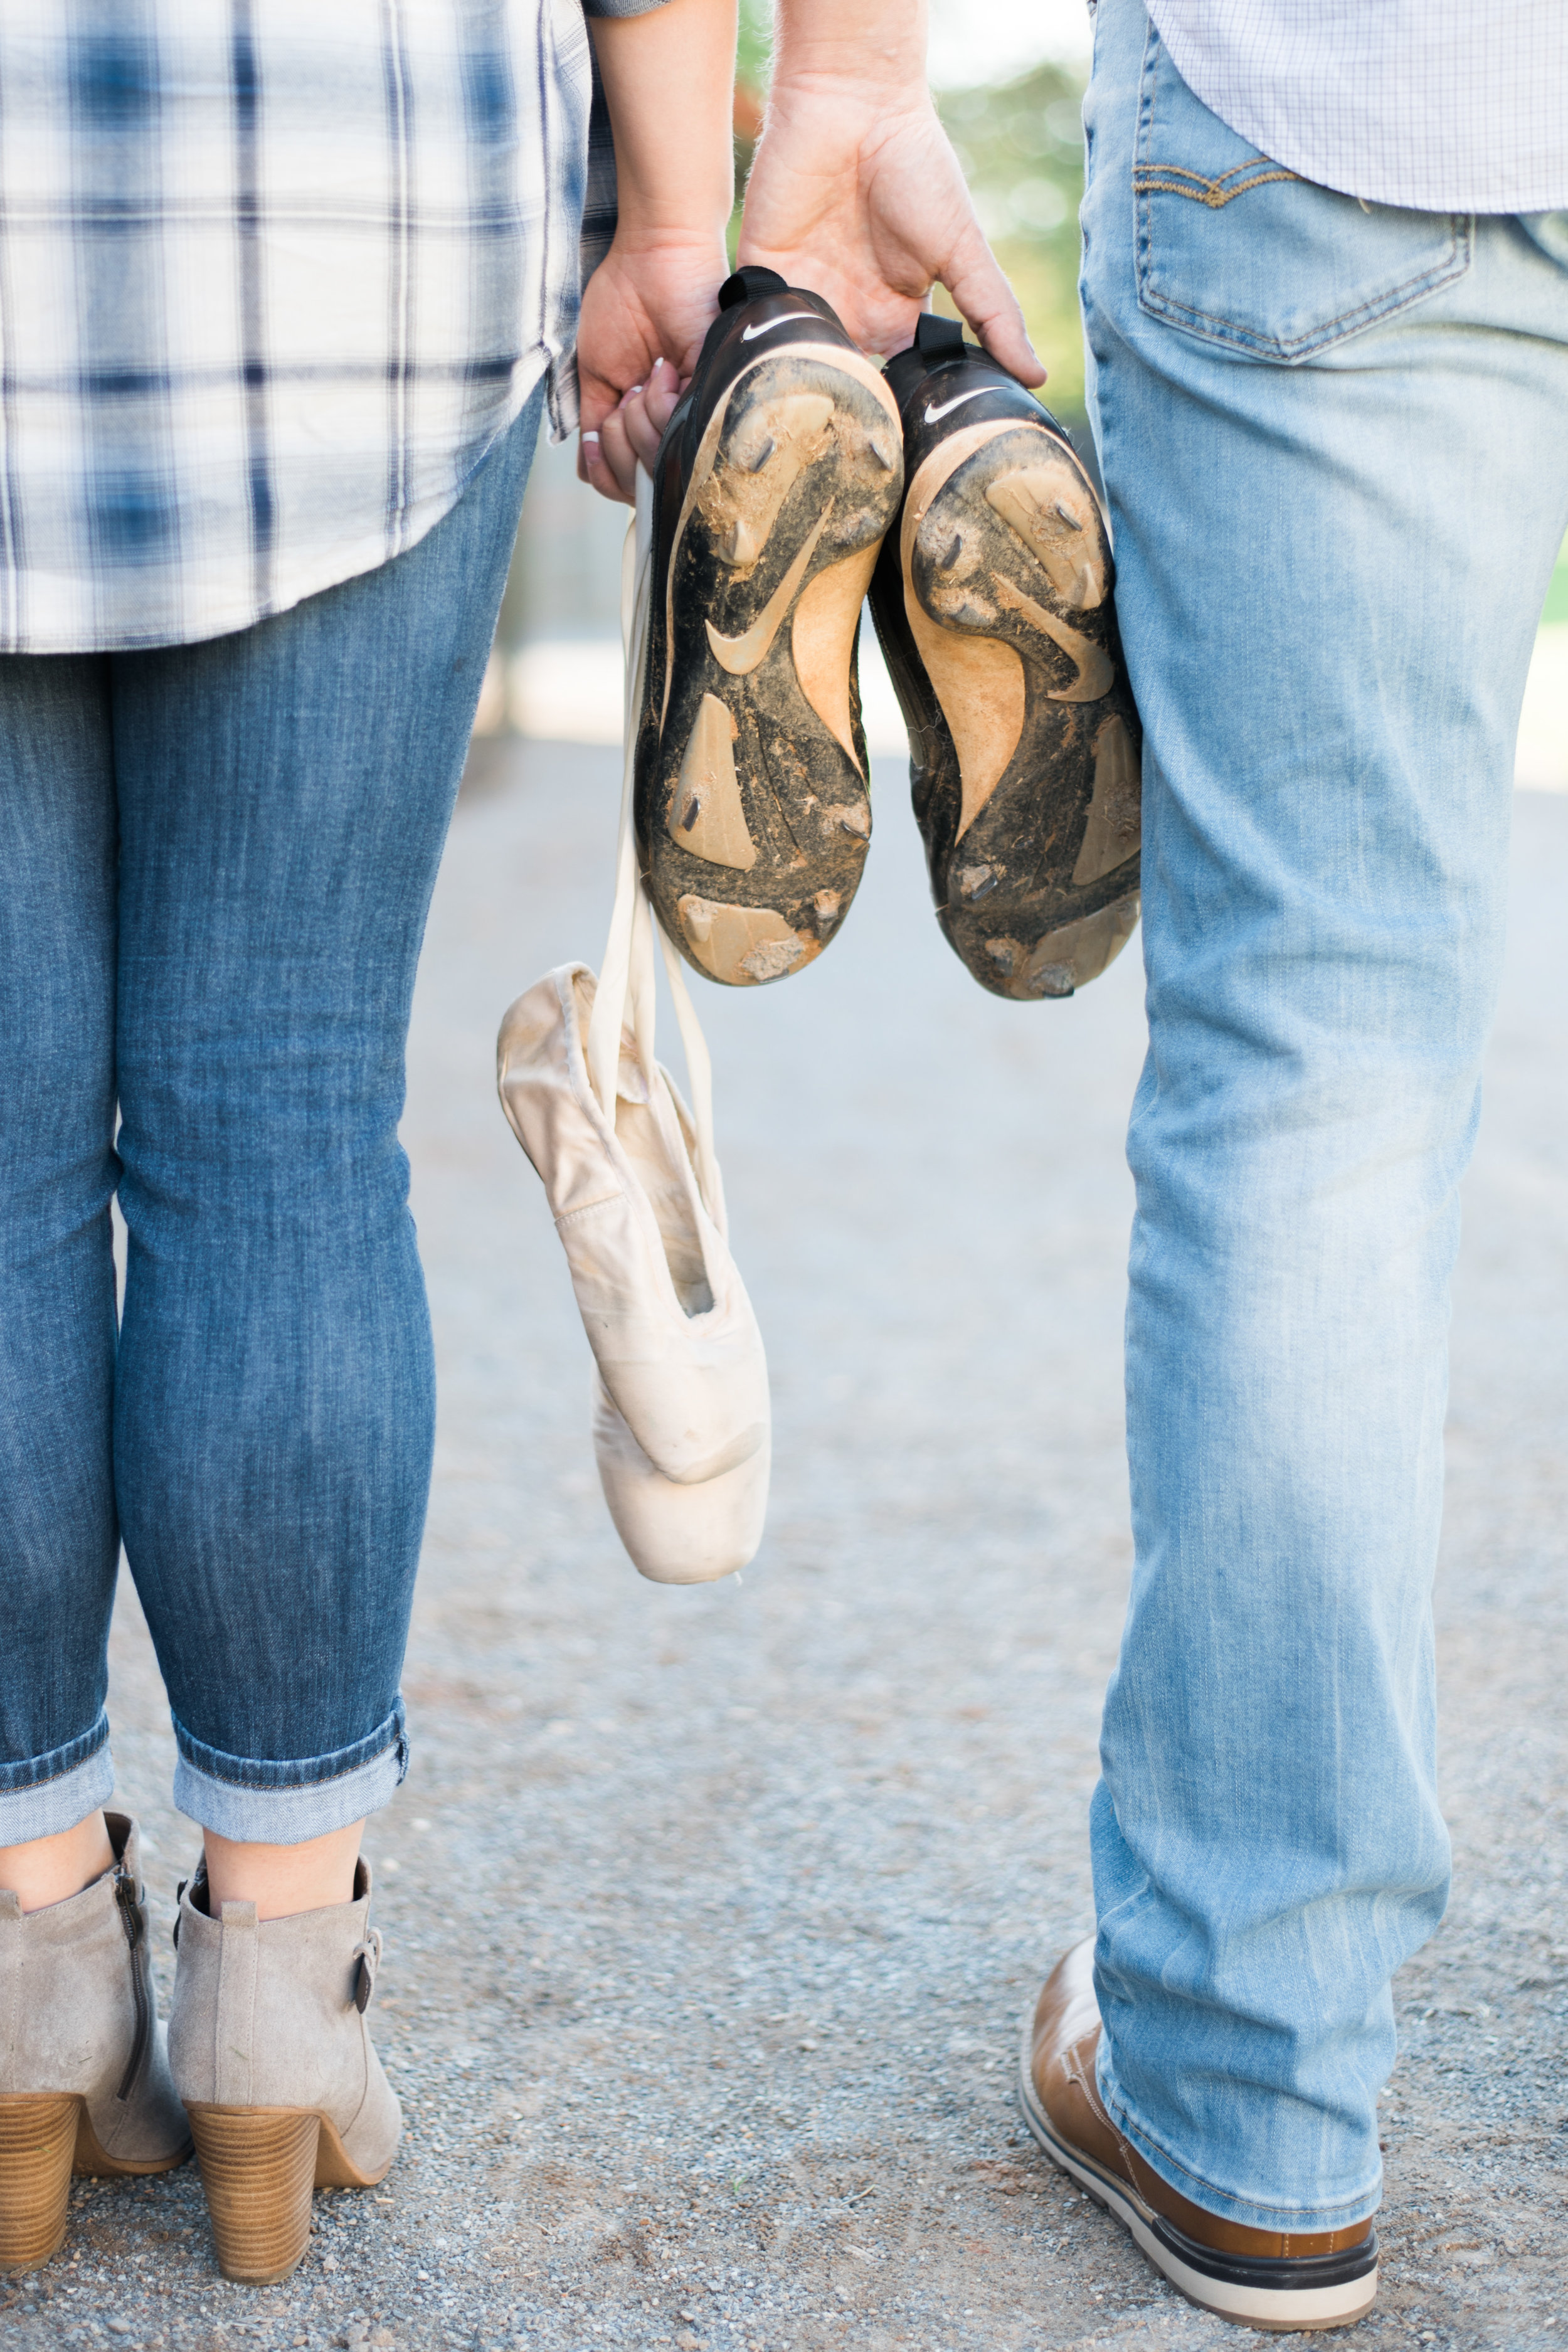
x=58, y=1535
x=284, y=796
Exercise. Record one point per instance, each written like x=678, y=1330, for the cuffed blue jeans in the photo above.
x=1335, y=446
x=216, y=862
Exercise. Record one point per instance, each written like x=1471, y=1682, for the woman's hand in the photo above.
x=668, y=78
x=629, y=435
x=643, y=318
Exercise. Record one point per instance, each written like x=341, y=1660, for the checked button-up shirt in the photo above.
x=274, y=276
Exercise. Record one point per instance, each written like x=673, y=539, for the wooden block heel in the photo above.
x=38, y=2142
x=258, y=2168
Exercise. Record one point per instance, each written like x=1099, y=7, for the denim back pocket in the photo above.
x=1239, y=251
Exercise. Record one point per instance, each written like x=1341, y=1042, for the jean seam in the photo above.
x=1144, y=2140
x=264, y=1774
x=1216, y=328
x=1207, y=191
x=56, y=1763
x=1224, y=332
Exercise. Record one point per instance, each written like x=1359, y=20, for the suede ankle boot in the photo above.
x=272, y=2057
x=84, y=2070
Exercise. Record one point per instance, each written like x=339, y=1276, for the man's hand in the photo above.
x=855, y=192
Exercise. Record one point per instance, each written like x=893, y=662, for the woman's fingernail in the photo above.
x=589, y=436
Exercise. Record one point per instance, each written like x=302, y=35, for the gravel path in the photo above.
x=712, y=1915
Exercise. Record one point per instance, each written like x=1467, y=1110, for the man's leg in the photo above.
x=1334, y=444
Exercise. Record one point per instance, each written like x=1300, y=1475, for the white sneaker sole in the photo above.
x=1251, y=2291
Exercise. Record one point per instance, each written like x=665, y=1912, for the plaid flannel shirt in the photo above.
x=274, y=276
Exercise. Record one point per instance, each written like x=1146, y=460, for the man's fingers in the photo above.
x=646, y=412
x=593, y=468
x=983, y=297
x=615, y=441
x=1008, y=344
x=600, y=471
x=629, y=435
x=642, y=433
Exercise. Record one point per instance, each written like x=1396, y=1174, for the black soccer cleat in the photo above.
x=993, y=602
x=776, y=479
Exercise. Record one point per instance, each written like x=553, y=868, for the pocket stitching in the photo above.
x=1378, y=306
x=1225, y=331
x=1207, y=191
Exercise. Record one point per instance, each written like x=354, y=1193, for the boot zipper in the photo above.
x=131, y=1920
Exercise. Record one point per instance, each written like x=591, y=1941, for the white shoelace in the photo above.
x=627, y=970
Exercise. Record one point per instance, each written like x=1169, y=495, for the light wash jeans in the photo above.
x=1335, y=442
x=215, y=862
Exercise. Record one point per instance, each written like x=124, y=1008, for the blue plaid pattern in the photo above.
x=274, y=275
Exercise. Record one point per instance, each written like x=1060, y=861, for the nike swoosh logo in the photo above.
x=1095, y=670
x=750, y=334
x=741, y=654
x=933, y=415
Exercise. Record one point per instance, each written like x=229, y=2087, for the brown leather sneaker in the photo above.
x=1260, y=2278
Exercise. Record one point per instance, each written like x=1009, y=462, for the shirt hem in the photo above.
x=350, y=560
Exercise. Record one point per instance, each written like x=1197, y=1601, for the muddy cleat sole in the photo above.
x=993, y=605
x=777, y=478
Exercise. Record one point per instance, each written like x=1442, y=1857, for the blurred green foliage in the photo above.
x=754, y=45
x=1021, y=145
x=754, y=52
x=1557, y=594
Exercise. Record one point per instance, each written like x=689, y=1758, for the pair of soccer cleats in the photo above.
x=793, y=479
